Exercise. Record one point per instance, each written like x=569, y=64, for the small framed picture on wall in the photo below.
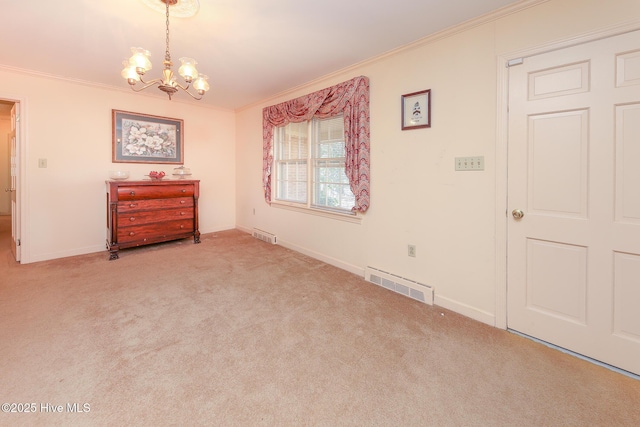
x=416, y=110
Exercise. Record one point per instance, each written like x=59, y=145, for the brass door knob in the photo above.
x=517, y=214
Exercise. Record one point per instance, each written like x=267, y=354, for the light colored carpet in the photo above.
x=236, y=332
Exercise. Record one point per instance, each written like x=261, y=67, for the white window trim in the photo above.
x=352, y=217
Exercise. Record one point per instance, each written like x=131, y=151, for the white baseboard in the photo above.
x=464, y=309
x=321, y=257
x=218, y=229
x=65, y=254
x=245, y=229
x=316, y=255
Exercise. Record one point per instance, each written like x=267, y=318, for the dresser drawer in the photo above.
x=139, y=205
x=147, y=217
x=155, y=191
x=155, y=231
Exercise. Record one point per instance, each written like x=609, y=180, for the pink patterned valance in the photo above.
x=350, y=98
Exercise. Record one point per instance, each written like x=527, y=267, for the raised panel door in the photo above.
x=574, y=257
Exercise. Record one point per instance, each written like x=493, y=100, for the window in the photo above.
x=309, y=162
x=349, y=99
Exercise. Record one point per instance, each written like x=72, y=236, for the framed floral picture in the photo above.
x=142, y=138
x=416, y=110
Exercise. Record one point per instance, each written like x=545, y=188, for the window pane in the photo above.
x=330, y=138
x=330, y=183
x=292, y=181
x=292, y=191
x=330, y=149
x=293, y=141
x=330, y=170
x=331, y=128
x=292, y=152
x=338, y=196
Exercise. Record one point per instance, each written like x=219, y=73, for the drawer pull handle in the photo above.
x=182, y=213
x=132, y=205
x=182, y=226
x=182, y=202
x=133, y=193
x=133, y=218
x=132, y=233
x=184, y=191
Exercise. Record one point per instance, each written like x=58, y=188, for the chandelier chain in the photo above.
x=167, y=55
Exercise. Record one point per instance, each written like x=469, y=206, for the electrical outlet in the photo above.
x=411, y=250
x=475, y=163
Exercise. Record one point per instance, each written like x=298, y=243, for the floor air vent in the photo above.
x=264, y=236
x=407, y=287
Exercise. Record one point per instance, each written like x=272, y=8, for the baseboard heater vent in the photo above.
x=401, y=285
x=264, y=236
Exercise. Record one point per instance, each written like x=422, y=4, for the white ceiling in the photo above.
x=250, y=49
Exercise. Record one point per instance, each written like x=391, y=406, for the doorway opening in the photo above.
x=9, y=173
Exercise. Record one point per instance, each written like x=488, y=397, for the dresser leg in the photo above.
x=113, y=251
x=196, y=237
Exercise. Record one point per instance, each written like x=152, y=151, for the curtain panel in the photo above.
x=351, y=98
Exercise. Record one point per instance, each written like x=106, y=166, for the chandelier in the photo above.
x=139, y=64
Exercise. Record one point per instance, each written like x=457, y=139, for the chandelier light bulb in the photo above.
x=201, y=84
x=188, y=69
x=129, y=73
x=140, y=59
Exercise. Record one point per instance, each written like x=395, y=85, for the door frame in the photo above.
x=502, y=145
x=21, y=174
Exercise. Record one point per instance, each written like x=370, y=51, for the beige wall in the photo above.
x=64, y=205
x=416, y=196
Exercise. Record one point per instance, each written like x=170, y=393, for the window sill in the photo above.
x=353, y=218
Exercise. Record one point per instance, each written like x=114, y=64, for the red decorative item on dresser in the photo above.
x=144, y=212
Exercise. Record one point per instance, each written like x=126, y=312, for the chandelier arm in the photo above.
x=150, y=82
x=191, y=95
x=186, y=89
x=146, y=84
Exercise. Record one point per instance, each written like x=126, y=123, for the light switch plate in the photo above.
x=475, y=163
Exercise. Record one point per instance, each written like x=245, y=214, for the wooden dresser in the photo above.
x=144, y=212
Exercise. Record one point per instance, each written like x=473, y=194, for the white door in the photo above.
x=574, y=256
x=15, y=161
